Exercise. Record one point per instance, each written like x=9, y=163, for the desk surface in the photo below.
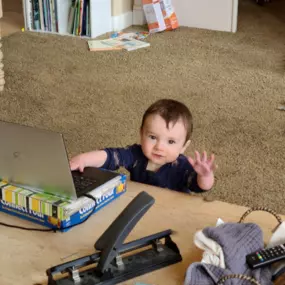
x=26, y=255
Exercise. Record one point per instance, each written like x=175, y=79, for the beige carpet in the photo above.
x=233, y=84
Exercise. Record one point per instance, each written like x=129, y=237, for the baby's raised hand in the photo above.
x=77, y=163
x=202, y=165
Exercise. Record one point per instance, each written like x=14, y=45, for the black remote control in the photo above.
x=266, y=256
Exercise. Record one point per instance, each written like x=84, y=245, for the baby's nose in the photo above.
x=159, y=146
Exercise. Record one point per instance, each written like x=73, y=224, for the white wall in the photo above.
x=122, y=12
x=218, y=15
x=121, y=6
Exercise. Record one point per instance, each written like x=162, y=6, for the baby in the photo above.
x=164, y=136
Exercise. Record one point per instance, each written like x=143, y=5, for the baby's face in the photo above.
x=160, y=144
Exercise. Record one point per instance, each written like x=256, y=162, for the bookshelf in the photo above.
x=85, y=18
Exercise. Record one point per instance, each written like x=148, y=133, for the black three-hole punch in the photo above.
x=115, y=261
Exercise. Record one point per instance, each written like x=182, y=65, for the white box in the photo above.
x=154, y=16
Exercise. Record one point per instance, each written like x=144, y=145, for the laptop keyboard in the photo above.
x=82, y=183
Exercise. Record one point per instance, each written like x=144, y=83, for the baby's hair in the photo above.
x=171, y=111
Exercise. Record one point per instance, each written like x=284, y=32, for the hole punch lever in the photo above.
x=113, y=261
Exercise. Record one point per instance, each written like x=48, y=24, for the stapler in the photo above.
x=115, y=261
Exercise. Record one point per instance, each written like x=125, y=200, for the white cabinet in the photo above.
x=218, y=15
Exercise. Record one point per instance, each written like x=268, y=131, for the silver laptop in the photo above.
x=36, y=159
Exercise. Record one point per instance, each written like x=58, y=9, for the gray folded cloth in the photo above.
x=237, y=240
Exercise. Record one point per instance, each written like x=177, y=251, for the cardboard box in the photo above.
x=74, y=219
x=52, y=205
x=169, y=15
x=154, y=16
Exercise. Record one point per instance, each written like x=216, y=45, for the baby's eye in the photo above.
x=152, y=137
x=171, y=142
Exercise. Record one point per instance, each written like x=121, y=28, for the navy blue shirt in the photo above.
x=178, y=175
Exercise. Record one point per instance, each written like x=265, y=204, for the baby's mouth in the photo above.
x=157, y=155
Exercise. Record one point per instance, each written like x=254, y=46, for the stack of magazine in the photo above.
x=53, y=211
x=126, y=41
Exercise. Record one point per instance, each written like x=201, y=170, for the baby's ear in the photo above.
x=185, y=146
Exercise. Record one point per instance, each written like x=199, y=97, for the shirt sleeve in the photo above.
x=192, y=183
x=119, y=157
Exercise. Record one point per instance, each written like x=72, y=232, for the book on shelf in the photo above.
x=28, y=14
x=51, y=205
x=86, y=18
